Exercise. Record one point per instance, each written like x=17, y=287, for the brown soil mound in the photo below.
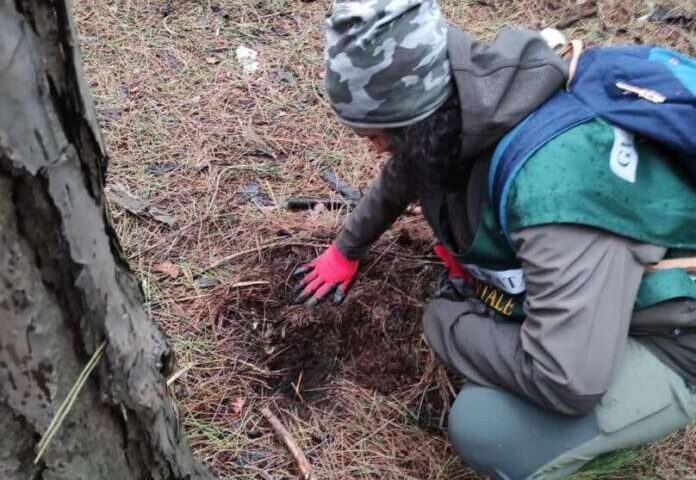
x=373, y=339
x=382, y=357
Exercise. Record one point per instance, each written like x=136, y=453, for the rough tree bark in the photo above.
x=64, y=284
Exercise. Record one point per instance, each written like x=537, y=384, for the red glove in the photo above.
x=331, y=271
x=454, y=270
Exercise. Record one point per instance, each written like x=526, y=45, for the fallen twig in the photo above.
x=178, y=374
x=660, y=14
x=259, y=248
x=309, y=203
x=168, y=28
x=168, y=238
x=302, y=463
x=251, y=283
x=252, y=192
x=570, y=21
x=68, y=403
x=243, y=253
x=339, y=186
x=119, y=195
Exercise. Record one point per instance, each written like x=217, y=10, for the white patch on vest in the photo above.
x=509, y=281
x=624, y=157
x=410, y=80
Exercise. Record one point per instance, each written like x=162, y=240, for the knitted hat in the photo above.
x=386, y=61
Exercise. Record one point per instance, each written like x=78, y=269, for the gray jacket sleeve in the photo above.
x=581, y=287
x=385, y=200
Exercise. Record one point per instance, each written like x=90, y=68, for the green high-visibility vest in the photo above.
x=598, y=176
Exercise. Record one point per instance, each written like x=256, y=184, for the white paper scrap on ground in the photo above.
x=248, y=59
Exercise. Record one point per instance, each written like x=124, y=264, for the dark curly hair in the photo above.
x=431, y=148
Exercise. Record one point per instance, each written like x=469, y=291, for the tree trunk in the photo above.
x=64, y=284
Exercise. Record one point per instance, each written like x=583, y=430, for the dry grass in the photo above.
x=189, y=131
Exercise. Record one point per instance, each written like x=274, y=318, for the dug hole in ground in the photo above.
x=212, y=140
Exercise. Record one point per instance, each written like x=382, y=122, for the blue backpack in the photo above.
x=649, y=91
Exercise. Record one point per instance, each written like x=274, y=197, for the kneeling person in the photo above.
x=570, y=347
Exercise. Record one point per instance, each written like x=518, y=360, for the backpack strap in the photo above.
x=688, y=264
x=574, y=49
x=559, y=114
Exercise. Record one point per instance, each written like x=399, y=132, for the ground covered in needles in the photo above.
x=207, y=142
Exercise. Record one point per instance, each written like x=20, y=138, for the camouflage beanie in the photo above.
x=386, y=61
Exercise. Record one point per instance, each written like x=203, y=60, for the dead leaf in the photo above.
x=255, y=143
x=122, y=91
x=202, y=166
x=124, y=199
x=109, y=114
x=178, y=310
x=212, y=60
x=167, y=268
x=160, y=215
x=119, y=195
x=252, y=191
x=287, y=77
x=206, y=282
x=237, y=405
x=164, y=168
